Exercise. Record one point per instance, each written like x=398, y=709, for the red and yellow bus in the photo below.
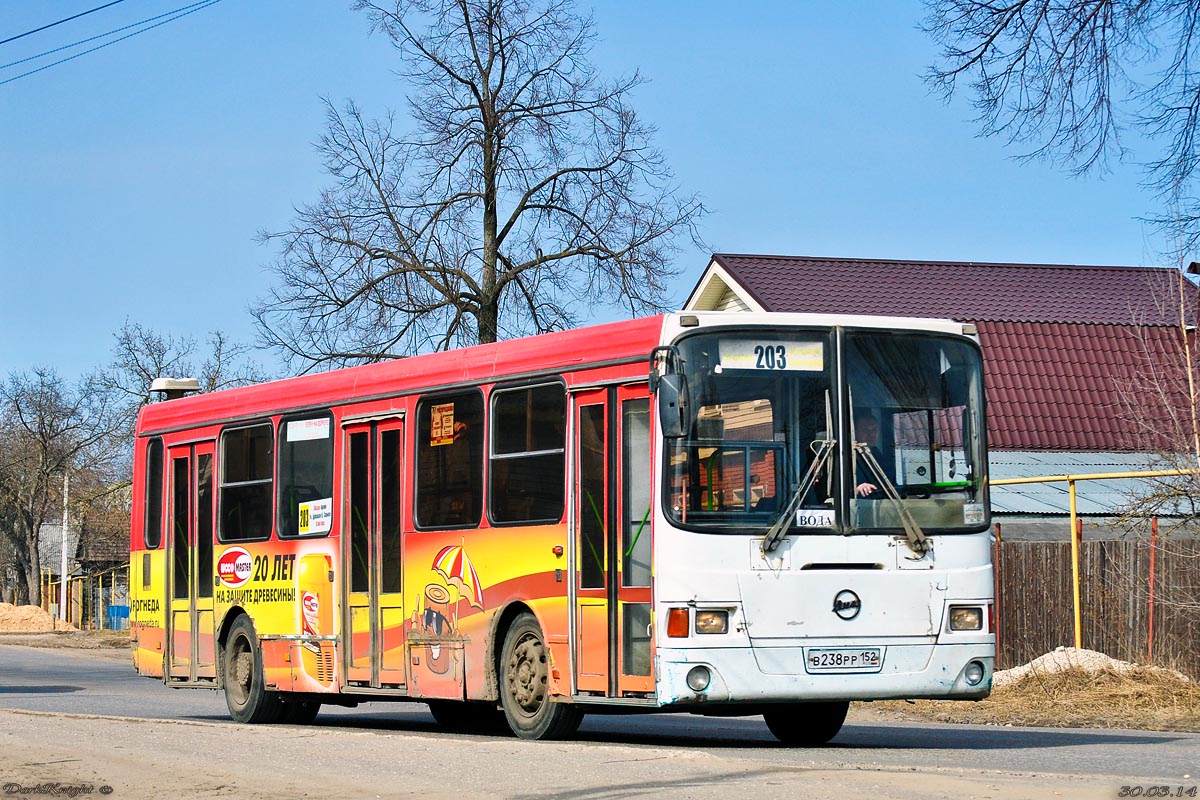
x=718, y=513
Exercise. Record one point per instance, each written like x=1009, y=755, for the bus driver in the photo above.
x=866, y=431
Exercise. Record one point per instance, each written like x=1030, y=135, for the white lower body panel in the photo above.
x=779, y=674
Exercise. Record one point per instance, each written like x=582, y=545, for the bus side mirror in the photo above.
x=672, y=405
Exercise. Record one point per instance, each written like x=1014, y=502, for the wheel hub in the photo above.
x=242, y=667
x=528, y=674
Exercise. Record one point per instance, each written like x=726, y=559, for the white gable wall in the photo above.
x=718, y=291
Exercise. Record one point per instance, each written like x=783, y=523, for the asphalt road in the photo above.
x=1065, y=762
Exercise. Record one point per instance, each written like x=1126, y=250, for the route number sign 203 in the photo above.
x=777, y=356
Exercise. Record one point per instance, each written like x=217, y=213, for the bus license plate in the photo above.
x=843, y=659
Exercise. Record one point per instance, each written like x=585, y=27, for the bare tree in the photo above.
x=46, y=428
x=1064, y=78
x=141, y=354
x=225, y=365
x=526, y=187
x=49, y=426
x=1158, y=402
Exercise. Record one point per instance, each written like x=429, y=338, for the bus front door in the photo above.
x=191, y=645
x=373, y=631
x=614, y=646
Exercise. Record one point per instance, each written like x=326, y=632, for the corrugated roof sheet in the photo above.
x=963, y=290
x=1058, y=340
x=1056, y=386
x=1103, y=497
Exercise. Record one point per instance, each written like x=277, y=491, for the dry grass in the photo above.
x=1141, y=698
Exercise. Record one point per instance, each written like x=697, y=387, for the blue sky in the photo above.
x=133, y=180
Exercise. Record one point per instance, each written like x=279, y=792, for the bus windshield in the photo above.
x=770, y=427
x=758, y=405
x=917, y=425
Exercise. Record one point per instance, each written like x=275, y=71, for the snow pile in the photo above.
x=29, y=619
x=1066, y=658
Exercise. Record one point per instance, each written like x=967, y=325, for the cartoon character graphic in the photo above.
x=435, y=622
x=436, y=616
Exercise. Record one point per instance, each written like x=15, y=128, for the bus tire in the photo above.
x=299, y=712
x=525, y=686
x=246, y=694
x=806, y=724
x=468, y=717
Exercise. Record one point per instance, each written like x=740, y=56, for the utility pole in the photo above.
x=62, y=589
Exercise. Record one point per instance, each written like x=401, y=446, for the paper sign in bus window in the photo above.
x=441, y=428
x=316, y=516
x=303, y=430
x=814, y=518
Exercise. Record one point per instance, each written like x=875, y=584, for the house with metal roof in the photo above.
x=1063, y=345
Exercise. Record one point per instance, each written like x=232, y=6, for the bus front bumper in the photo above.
x=783, y=674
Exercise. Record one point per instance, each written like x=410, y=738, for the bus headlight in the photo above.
x=973, y=674
x=698, y=678
x=966, y=618
x=712, y=621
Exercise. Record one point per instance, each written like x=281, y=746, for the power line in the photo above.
x=193, y=9
x=102, y=35
x=60, y=22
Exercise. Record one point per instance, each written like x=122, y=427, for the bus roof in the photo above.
x=565, y=351
x=802, y=320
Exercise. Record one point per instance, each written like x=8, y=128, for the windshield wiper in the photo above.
x=777, y=531
x=917, y=541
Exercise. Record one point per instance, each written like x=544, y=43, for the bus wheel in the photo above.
x=245, y=691
x=806, y=724
x=525, y=686
x=299, y=712
x=468, y=717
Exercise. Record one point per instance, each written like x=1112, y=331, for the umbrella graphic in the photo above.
x=454, y=565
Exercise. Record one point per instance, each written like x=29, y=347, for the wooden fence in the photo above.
x=96, y=601
x=1119, y=617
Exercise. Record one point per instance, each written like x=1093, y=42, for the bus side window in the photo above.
x=305, y=476
x=152, y=535
x=450, y=461
x=247, y=478
x=528, y=454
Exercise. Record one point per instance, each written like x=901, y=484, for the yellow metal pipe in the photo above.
x=1075, y=567
x=1095, y=476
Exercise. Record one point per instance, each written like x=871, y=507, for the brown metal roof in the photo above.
x=1056, y=386
x=1059, y=341
x=963, y=290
